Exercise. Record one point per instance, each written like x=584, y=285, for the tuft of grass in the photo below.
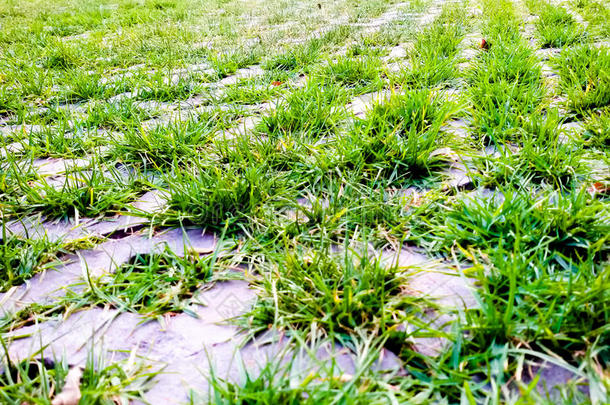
x=218, y=195
x=505, y=87
x=154, y=284
x=37, y=380
x=335, y=292
x=252, y=91
x=556, y=27
x=433, y=58
x=597, y=14
x=295, y=60
x=227, y=63
x=544, y=155
x=397, y=138
x=313, y=112
x=87, y=193
x=160, y=87
x=597, y=129
x=552, y=307
x=175, y=142
x=22, y=258
x=584, y=76
x=115, y=115
x=563, y=224
x=359, y=75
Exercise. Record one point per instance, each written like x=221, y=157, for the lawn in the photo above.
x=295, y=201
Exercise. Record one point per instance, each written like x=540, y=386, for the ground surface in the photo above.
x=278, y=201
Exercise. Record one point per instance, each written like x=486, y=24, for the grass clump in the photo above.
x=398, y=137
x=501, y=23
x=556, y=27
x=83, y=86
x=359, y=75
x=227, y=63
x=505, y=86
x=252, y=91
x=295, y=60
x=297, y=375
x=156, y=283
x=115, y=115
x=597, y=14
x=544, y=155
x=61, y=140
x=339, y=293
x=218, y=195
x=175, y=142
x=163, y=88
x=433, y=57
x=88, y=193
x=597, y=129
x=312, y=112
x=584, y=77
x=38, y=380
x=556, y=308
x=22, y=258
x=564, y=224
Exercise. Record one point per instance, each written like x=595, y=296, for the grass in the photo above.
x=313, y=111
x=595, y=13
x=22, y=258
x=544, y=155
x=505, y=86
x=154, y=284
x=556, y=27
x=86, y=193
x=313, y=195
x=433, y=58
x=567, y=225
x=217, y=196
x=335, y=293
x=359, y=75
x=597, y=129
x=398, y=137
x=174, y=142
x=584, y=77
x=102, y=382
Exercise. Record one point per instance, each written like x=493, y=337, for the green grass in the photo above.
x=505, y=86
x=175, y=142
x=154, y=284
x=87, y=193
x=307, y=195
x=335, y=292
x=216, y=196
x=544, y=155
x=37, y=379
x=22, y=258
x=597, y=129
x=398, y=136
x=359, y=75
x=584, y=77
x=312, y=112
x=567, y=225
x=596, y=13
x=432, y=59
x=556, y=27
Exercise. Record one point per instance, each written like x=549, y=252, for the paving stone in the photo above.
x=53, y=166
